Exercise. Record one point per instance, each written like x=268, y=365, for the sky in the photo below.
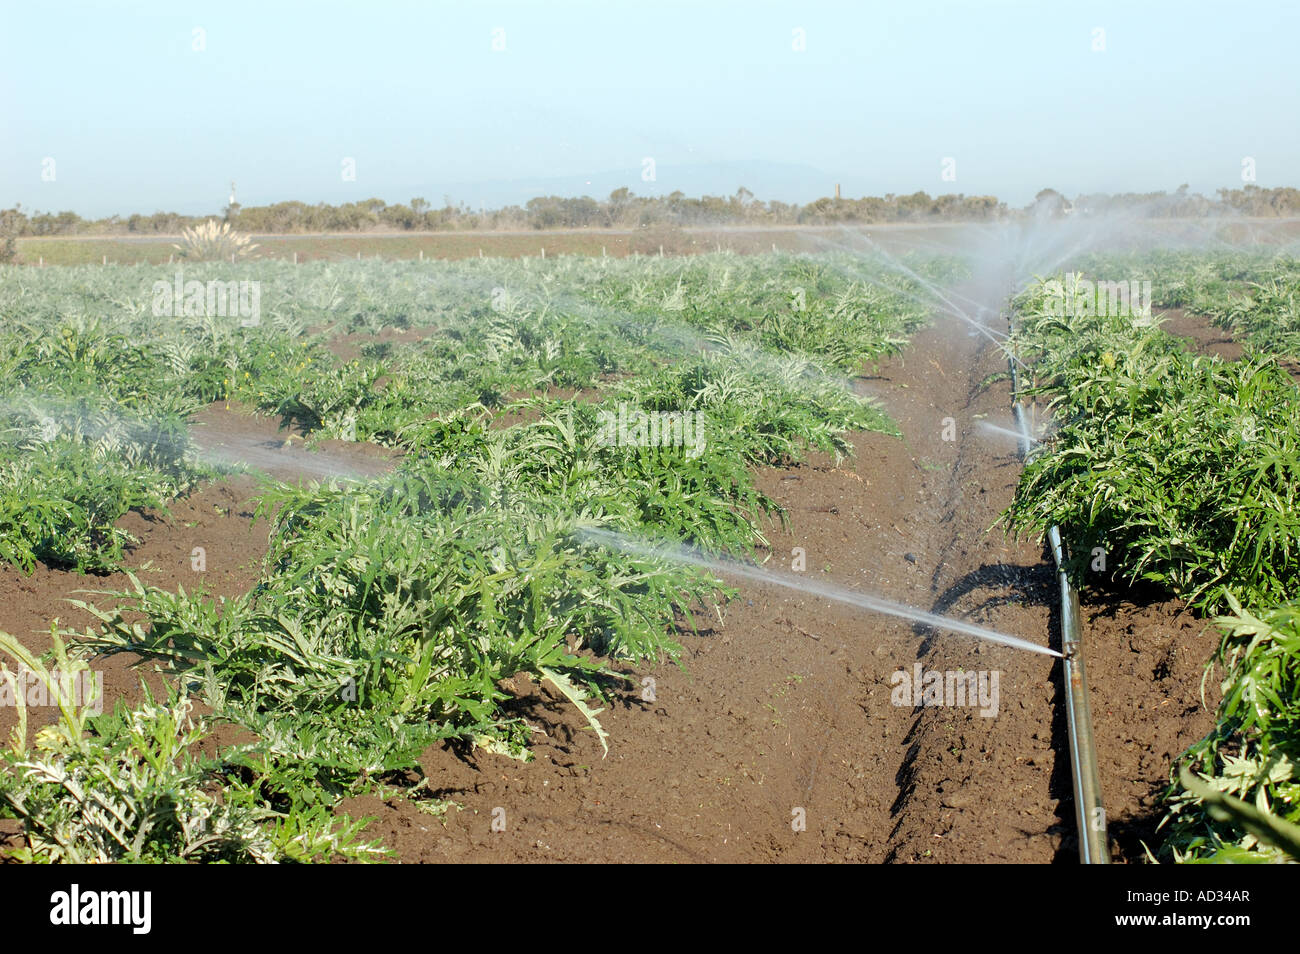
x=115, y=108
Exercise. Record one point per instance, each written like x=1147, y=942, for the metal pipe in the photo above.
x=1089, y=810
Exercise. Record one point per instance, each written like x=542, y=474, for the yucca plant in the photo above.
x=214, y=242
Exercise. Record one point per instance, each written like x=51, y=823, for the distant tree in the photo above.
x=1049, y=202
x=398, y=216
x=13, y=222
x=625, y=209
x=64, y=223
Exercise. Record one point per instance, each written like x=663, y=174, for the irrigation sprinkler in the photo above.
x=1089, y=810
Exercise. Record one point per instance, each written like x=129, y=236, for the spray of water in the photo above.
x=938, y=298
x=746, y=571
x=41, y=420
x=996, y=429
x=257, y=454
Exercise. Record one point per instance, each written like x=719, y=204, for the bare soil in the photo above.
x=1201, y=336
x=231, y=435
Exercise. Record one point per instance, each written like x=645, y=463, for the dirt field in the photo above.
x=159, y=249
x=618, y=243
x=780, y=716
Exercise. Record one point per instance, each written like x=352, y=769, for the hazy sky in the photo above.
x=136, y=117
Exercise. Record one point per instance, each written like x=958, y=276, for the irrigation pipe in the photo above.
x=1089, y=812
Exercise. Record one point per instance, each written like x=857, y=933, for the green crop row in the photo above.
x=1255, y=293
x=1184, y=471
x=96, y=389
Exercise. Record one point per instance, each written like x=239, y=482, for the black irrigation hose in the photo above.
x=1089, y=811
